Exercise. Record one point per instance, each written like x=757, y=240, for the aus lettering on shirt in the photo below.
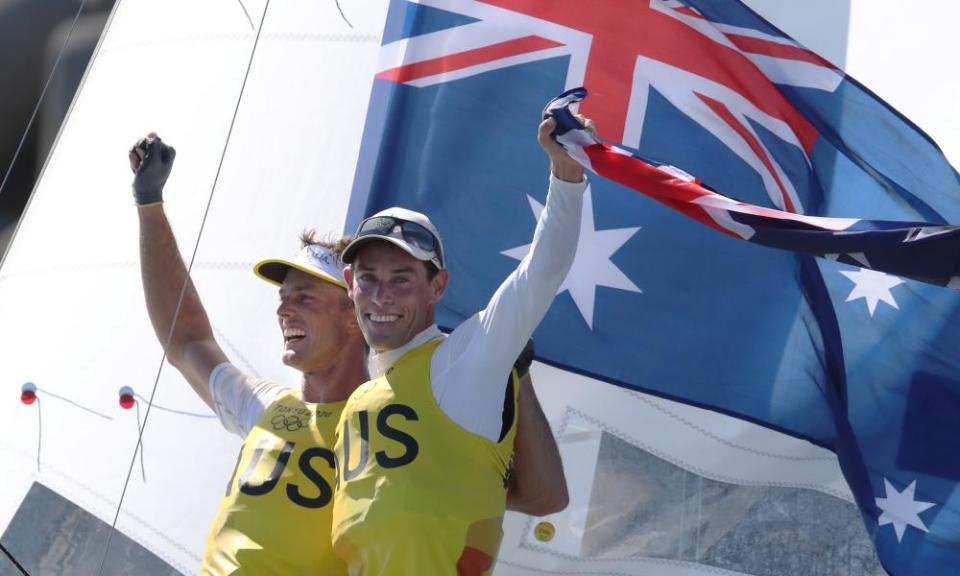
x=392, y=447
x=316, y=496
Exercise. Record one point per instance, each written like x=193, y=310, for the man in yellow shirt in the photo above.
x=424, y=449
x=275, y=517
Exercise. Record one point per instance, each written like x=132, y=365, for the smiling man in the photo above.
x=276, y=513
x=275, y=517
x=424, y=450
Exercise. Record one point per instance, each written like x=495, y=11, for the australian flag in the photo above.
x=864, y=363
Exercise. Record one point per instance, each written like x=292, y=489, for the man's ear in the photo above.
x=439, y=284
x=348, y=277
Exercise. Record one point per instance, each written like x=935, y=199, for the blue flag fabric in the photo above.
x=858, y=361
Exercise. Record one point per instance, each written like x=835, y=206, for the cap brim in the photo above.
x=350, y=252
x=274, y=271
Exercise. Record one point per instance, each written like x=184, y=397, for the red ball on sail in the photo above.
x=127, y=399
x=28, y=393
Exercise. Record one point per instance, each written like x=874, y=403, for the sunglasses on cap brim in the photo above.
x=410, y=232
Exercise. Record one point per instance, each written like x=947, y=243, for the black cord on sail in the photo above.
x=247, y=14
x=342, y=15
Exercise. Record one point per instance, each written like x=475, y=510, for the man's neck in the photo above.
x=383, y=359
x=336, y=382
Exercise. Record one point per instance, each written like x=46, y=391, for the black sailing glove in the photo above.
x=153, y=170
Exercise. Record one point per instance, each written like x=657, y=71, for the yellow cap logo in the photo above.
x=544, y=531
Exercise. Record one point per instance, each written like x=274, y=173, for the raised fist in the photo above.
x=151, y=161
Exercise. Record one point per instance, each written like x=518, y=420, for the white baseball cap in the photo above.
x=411, y=231
x=315, y=260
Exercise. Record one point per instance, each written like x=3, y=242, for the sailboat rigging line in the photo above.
x=43, y=93
x=13, y=560
x=247, y=14
x=74, y=403
x=342, y=15
x=143, y=470
x=39, y=433
x=174, y=410
x=183, y=288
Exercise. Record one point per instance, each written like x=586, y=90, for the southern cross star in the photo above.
x=900, y=509
x=872, y=286
x=592, y=266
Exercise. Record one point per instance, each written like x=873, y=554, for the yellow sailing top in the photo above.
x=417, y=493
x=276, y=515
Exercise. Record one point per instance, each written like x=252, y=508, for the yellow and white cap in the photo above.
x=318, y=261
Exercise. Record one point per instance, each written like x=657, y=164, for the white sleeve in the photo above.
x=240, y=399
x=469, y=370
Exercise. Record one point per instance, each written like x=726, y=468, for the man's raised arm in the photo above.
x=189, y=341
x=483, y=348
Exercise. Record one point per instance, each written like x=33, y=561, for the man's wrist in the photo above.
x=567, y=172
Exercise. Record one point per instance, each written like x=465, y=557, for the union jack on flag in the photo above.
x=718, y=75
x=657, y=302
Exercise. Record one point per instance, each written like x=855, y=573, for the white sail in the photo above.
x=72, y=318
x=177, y=68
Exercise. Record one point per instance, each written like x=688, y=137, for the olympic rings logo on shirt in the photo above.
x=290, y=423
